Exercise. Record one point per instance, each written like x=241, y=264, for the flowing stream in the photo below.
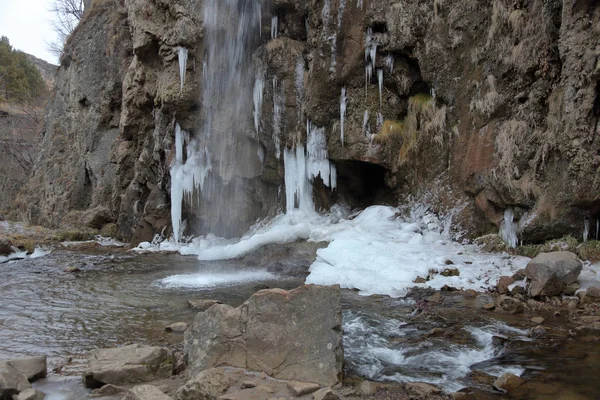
x=119, y=298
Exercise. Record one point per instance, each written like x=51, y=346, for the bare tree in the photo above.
x=67, y=14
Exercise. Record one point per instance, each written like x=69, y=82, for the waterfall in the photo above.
x=509, y=228
x=223, y=153
x=183, y=56
x=586, y=229
x=343, y=105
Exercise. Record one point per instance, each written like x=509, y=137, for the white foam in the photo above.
x=215, y=279
x=38, y=252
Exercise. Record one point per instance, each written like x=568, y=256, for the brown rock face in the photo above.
x=482, y=107
x=291, y=335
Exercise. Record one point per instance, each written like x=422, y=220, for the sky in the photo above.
x=26, y=23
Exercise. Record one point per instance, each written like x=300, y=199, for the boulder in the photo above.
x=145, y=392
x=325, y=394
x=30, y=394
x=202, y=305
x=11, y=381
x=33, y=368
x=126, y=365
x=227, y=383
x=507, y=382
x=550, y=273
x=509, y=305
x=108, y=390
x=177, y=327
x=503, y=283
x=289, y=335
x=5, y=247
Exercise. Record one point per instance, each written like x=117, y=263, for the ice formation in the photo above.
x=274, y=26
x=278, y=104
x=365, y=125
x=258, y=93
x=509, y=228
x=586, y=229
x=389, y=62
x=299, y=84
x=183, y=56
x=380, y=82
x=317, y=163
x=343, y=105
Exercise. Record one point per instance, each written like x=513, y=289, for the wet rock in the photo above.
x=5, y=247
x=227, y=383
x=436, y=298
x=450, y=272
x=537, y=320
x=571, y=289
x=536, y=332
x=368, y=388
x=591, y=295
x=108, y=390
x=507, y=382
x=509, y=305
x=33, y=368
x=489, y=307
x=503, y=283
x=422, y=390
x=293, y=335
x=30, y=394
x=550, y=273
x=482, y=378
x=179, y=364
x=178, y=327
x=301, y=388
x=128, y=364
x=325, y=394
x=202, y=305
x=420, y=280
x=72, y=269
x=294, y=268
x=470, y=294
x=145, y=392
x=11, y=381
x=447, y=288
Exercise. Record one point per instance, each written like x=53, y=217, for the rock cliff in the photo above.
x=475, y=107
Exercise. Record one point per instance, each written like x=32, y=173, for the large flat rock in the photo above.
x=290, y=335
x=33, y=368
x=12, y=382
x=127, y=365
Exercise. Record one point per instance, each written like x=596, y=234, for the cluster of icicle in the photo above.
x=302, y=167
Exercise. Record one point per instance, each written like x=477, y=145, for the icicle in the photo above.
x=317, y=162
x=178, y=144
x=509, y=228
x=365, y=122
x=359, y=4
x=298, y=192
x=183, y=56
x=368, y=76
x=274, y=26
x=341, y=9
x=259, y=87
x=379, y=121
x=380, y=81
x=299, y=85
x=343, y=104
x=389, y=63
x=278, y=104
x=586, y=229
x=433, y=93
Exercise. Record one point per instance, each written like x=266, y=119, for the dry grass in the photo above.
x=490, y=102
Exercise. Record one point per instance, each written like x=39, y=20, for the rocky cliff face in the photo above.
x=473, y=107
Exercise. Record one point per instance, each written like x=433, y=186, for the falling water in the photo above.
x=223, y=156
x=343, y=104
x=586, y=229
x=183, y=56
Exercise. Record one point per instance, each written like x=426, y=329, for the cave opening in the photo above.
x=362, y=184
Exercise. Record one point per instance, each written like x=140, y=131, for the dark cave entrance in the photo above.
x=359, y=184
